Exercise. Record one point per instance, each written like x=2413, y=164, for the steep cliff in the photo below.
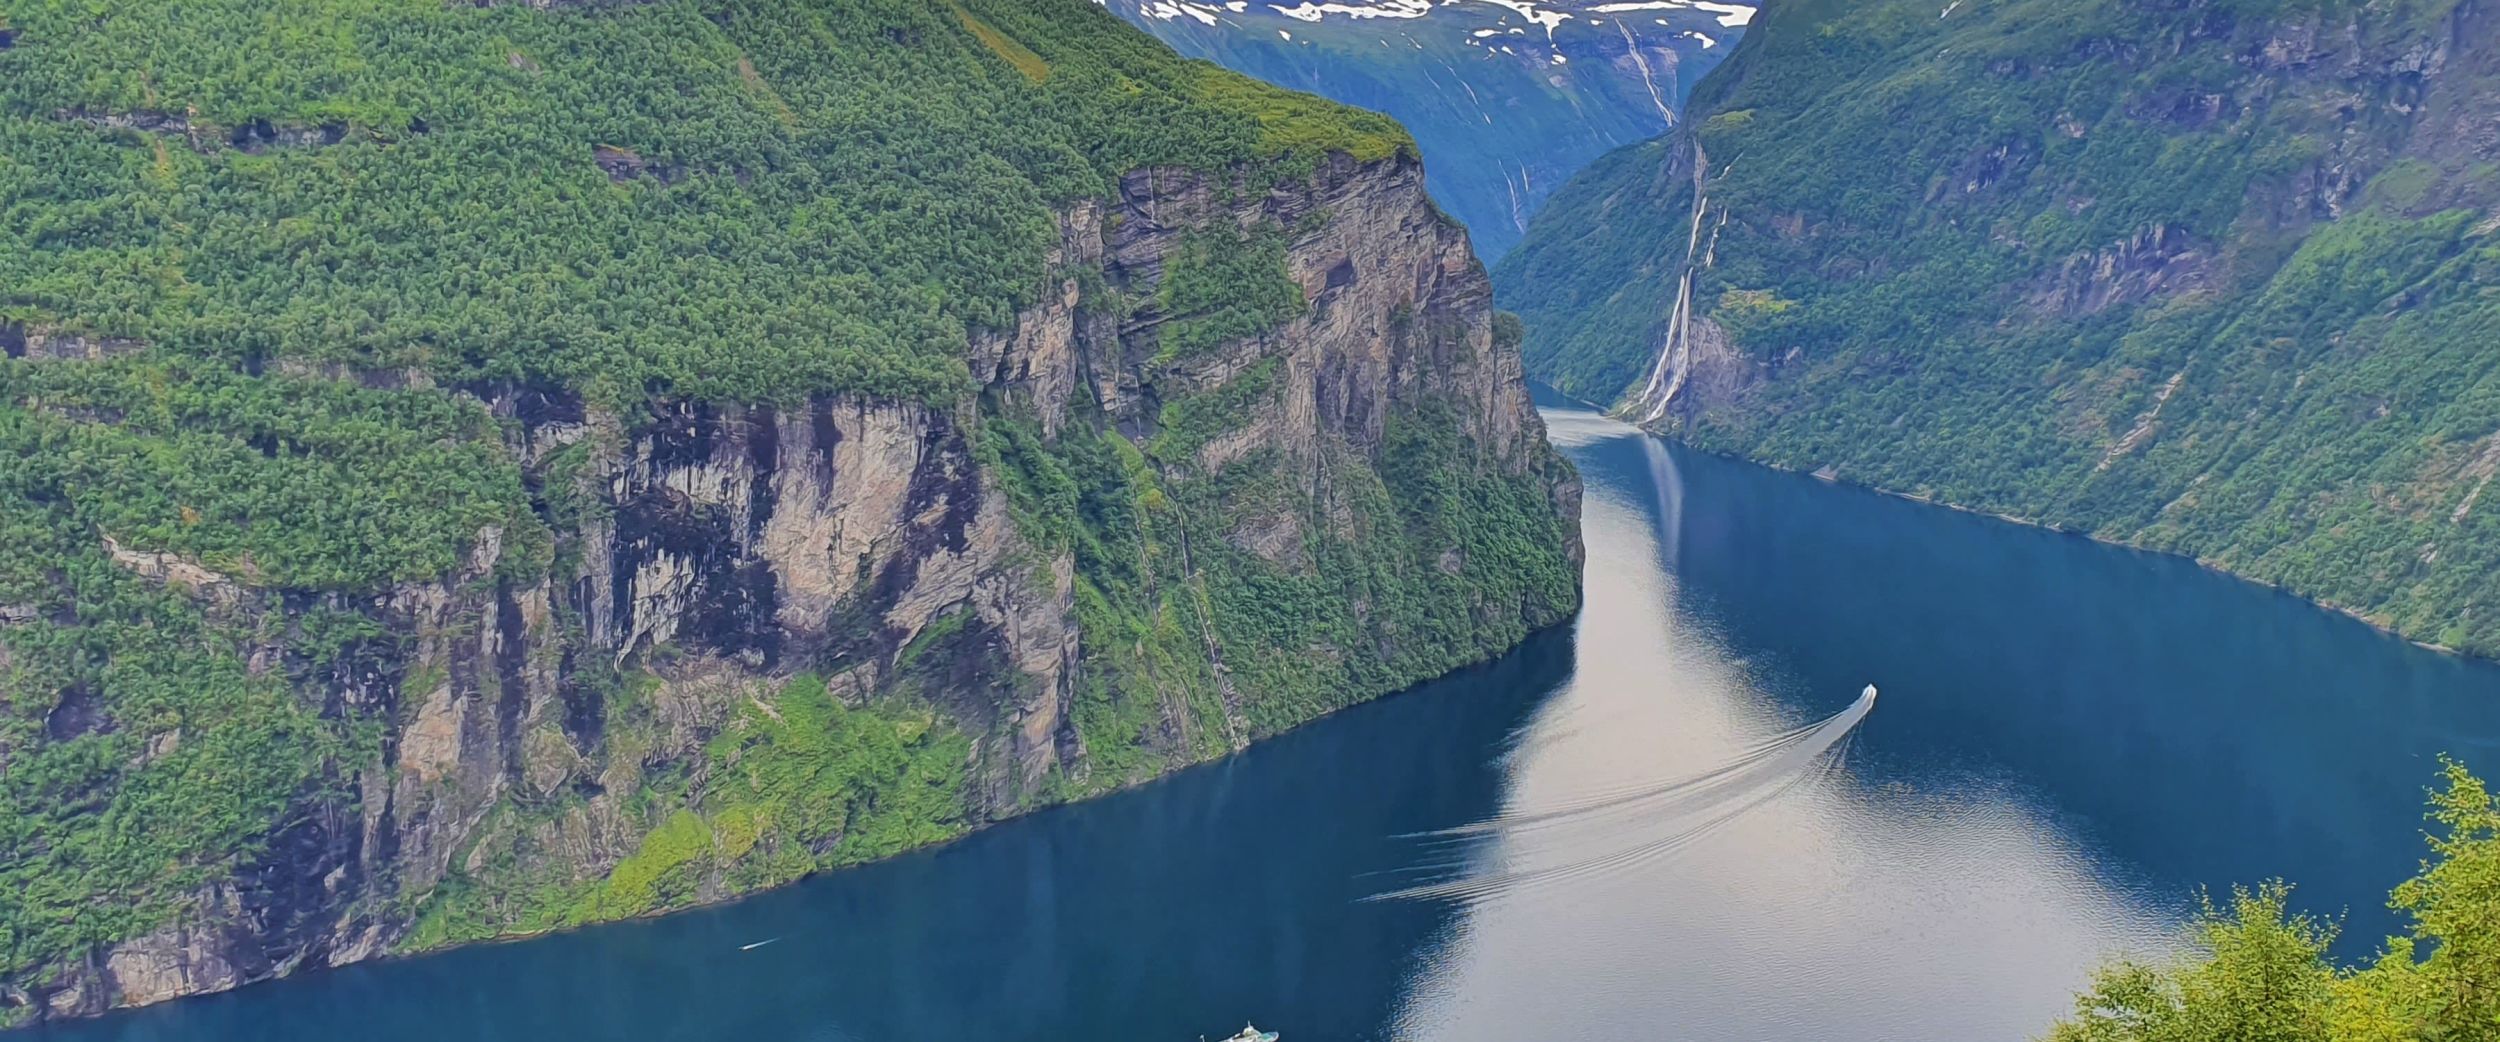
x=2213, y=277
x=332, y=627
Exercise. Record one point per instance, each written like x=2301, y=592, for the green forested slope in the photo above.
x=261, y=266
x=850, y=184
x=2220, y=278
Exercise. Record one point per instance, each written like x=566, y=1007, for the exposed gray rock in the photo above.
x=41, y=344
x=738, y=544
x=2160, y=261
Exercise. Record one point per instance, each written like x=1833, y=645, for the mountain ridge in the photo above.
x=2229, y=304
x=1508, y=98
x=474, y=471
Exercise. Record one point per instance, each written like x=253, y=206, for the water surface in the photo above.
x=2072, y=738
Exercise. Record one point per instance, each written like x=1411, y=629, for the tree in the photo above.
x=2258, y=972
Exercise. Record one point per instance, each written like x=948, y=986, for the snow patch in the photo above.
x=1730, y=15
x=1545, y=14
x=1312, y=12
x=1527, y=9
x=1168, y=10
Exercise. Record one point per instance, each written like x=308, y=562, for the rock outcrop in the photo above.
x=546, y=711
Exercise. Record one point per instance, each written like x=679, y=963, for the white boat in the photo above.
x=1252, y=1034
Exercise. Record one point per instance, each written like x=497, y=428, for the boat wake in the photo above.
x=1602, y=833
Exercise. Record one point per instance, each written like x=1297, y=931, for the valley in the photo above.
x=2211, y=279
x=478, y=471
x=958, y=519
x=1506, y=99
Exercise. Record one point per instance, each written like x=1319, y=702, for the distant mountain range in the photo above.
x=1508, y=98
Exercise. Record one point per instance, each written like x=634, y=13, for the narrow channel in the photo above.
x=2072, y=739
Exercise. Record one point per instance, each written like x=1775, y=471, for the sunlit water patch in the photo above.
x=2070, y=739
x=1890, y=911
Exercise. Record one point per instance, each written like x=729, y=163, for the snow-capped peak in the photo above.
x=1547, y=15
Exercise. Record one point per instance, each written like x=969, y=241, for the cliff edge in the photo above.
x=336, y=629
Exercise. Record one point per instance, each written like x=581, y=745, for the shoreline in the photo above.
x=1830, y=475
x=29, y=1029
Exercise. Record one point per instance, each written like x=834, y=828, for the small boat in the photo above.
x=1252, y=1034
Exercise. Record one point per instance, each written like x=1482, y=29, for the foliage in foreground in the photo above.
x=2260, y=973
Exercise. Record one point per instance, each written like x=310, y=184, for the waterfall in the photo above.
x=1642, y=61
x=1673, y=367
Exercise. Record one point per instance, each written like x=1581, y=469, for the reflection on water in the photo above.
x=2071, y=739
x=1899, y=913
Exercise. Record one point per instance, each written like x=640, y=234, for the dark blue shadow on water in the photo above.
x=2194, y=729
x=2157, y=725
x=1178, y=909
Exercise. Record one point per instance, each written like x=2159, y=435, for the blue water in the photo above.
x=2072, y=738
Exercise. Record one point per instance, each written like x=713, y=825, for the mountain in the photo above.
x=469, y=470
x=1507, y=97
x=2213, y=277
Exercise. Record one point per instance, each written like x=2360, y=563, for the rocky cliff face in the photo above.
x=2203, y=276
x=776, y=639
